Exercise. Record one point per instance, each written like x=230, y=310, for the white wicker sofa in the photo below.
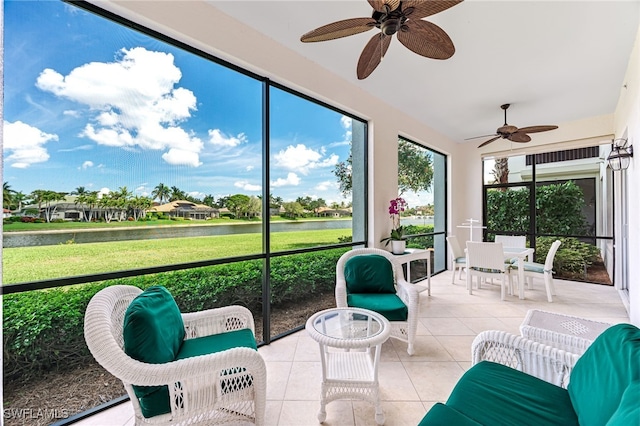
x=211, y=383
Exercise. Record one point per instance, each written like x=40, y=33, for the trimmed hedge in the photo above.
x=43, y=330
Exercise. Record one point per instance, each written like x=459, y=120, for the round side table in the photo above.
x=346, y=337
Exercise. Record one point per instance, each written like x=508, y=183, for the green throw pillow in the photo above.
x=371, y=273
x=153, y=332
x=603, y=374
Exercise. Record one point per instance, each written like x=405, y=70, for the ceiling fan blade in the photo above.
x=489, y=141
x=378, y=5
x=372, y=54
x=519, y=136
x=537, y=129
x=422, y=8
x=483, y=136
x=426, y=39
x=339, y=29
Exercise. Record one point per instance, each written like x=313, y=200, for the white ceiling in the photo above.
x=554, y=61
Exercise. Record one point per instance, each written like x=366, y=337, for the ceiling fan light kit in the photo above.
x=401, y=17
x=513, y=133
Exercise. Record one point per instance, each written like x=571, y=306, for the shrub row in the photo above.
x=572, y=258
x=43, y=330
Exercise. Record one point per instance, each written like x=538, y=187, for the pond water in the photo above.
x=43, y=238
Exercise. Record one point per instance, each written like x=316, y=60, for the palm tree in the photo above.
x=79, y=191
x=161, y=192
x=177, y=194
x=19, y=198
x=7, y=195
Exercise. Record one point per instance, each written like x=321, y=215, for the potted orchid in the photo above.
x=398, y=243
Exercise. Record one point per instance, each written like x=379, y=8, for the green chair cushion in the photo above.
x=369, y=273
x=461, y=259
x=610, y=365
x=217, y=343
x=388, y=305
x=493, y=394
x=153, y=332
x=628, y=412
x=442, y=415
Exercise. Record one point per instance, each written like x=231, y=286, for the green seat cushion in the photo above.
x=153, y=332
x=442, y=415
x=370, y=273
x=610, y=365
x=628, y=412
x=488, y=270
x=217, y=343
x=388, y=305
x=493, y=394
x=461, y=259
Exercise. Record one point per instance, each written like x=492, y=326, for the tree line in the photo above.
x=121, y=204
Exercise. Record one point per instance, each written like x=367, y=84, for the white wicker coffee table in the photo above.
x=566, y=332
x=349, y=366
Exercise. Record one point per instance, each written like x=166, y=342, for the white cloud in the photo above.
x=217, y=138
x=103, y=191
x=24, y=144
x=301, y=159
x=134, y=103
x=247, y=186
x=291, y=180
x=181, y=157
x=326, y=186
x=71, y=113
x=249, y=168
x=86, y=165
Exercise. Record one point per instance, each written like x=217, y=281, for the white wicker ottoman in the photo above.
x=349, y=368
x=566, y=332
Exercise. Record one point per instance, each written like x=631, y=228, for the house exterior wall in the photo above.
x=627, y=124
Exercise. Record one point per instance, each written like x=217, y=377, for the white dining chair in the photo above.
x=545, y=271
x=458, y=259
x=487, y=260
x=512, y=240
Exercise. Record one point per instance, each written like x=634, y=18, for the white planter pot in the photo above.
x=398, y=246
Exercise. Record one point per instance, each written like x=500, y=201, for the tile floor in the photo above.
x=449, y=320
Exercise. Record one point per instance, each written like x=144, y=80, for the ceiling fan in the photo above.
x=402, y=17
x=513, y=133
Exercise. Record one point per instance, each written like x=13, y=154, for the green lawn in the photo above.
x=25, y=264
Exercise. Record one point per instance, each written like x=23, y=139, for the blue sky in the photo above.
x=90, y=103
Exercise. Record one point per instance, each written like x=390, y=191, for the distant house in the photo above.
x=6, y=213
x=328, y=212
x=186, y=209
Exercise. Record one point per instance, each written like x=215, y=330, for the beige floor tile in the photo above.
x=307, y=349
x=459, y=347
x=272, y=413
x=278, y=373
x=397, y=413
x=446, y=327
x=395, y=384
x=121, y=414
x=305, y=382
x=304, y=413
x=427, y=348
x=433, y=380
x=284, y=350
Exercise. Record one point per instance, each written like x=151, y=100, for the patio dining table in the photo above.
x=522, y=253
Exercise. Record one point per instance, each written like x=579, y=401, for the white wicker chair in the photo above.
x=458, y=259
x=219, y=388
x=550, y=364
x=401, y=330
x=486, y=260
